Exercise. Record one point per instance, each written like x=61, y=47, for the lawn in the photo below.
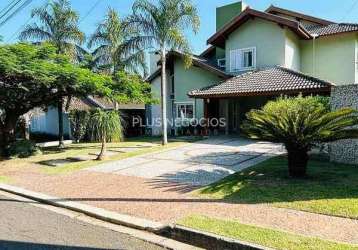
x=330, y=188
x=262, y=236
x=144, y=144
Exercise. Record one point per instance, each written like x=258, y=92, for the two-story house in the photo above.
x=253, y=57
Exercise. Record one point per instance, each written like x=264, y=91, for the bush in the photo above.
x=22, y=149
x=79, y=122
x=300, y=123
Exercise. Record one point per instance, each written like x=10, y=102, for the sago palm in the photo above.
x=115, y=47
x=106, y=126
x=300, y=123
x=57, y=24
x=161, y=26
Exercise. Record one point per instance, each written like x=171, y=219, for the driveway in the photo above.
x=197, y=164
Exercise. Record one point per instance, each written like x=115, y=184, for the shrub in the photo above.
x=79, y=121
x=22, y=149
x=300, y=123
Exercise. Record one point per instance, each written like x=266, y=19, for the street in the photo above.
x=26, y=225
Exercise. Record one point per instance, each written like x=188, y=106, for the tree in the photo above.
x=300, y=123
x=36, y=76
x=106, y=126
x=117, y=49
x=59, y=26
x=162, y=27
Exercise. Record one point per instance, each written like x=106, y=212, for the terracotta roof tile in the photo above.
x=332, y=29
x=271, y=80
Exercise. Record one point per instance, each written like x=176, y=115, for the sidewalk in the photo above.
x=166, y=202
x=146, y=199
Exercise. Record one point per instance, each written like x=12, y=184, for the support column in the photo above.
x=226, y=103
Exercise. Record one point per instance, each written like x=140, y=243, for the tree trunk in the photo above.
x=164, y=98
x=8, y=131
x=297, y=162
x=102, y=154
x=61, y=144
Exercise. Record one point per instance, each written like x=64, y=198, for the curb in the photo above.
x=98, y=213
x=178, y=237
x=210, y=240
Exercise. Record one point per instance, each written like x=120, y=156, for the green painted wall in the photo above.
x=189, y=79
x=268, y=38
x=292, y=51
x=225, y=13
x=335, y=58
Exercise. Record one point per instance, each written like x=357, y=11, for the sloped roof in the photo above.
x=299, y=16
x=218, y=39
x=321, y=27
x=197, y=61
x=332, y=29
x=92, y=102
x=269, y=81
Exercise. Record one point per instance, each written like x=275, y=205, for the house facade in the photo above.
x=45, y=123
x=255, y=56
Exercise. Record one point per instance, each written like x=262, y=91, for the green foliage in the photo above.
x=301, y=122
x=130, y=88
x=79, y=121
x=22, y=149
x=162, y=25
x=116, y=47
x=106, y=125
x=58, y=24
x=34, y=76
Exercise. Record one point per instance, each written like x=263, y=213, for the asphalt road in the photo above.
x=26, y=226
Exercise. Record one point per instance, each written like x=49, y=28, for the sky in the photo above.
x=335, y=10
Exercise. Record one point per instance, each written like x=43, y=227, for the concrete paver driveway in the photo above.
x=197, y=164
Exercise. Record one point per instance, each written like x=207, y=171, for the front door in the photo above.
x=234, y=116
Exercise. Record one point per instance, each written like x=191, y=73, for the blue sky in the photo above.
x=336, y=10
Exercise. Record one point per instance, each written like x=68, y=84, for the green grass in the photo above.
x=4, y=179
x=261, y=236
x=85, y=164
x=91, y=148
x=330, y=188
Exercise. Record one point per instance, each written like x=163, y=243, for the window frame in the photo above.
x=184, y=103
x=219, y=60
x=241, y=53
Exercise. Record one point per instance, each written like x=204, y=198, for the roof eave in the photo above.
x=273, y=9
x=218, y=39
x=325, y=90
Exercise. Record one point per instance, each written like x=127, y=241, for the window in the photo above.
x=242, y=59
x=185, y=110
x=222, y=63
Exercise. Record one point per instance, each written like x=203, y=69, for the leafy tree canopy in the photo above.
x=131, y=88
x=34, y=76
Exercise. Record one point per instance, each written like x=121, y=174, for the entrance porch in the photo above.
x=232, y=111
x=234, y=97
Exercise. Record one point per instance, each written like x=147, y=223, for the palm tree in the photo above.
x=106, y=126
x=162, y=27
x=300, y=123
x=116, y=47
x=58, y=24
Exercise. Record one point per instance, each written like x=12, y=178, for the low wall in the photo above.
x=344, y=151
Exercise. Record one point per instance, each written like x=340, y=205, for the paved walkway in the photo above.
x=198, y=164
x=165, y=196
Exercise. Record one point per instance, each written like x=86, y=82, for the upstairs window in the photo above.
x=242, y=59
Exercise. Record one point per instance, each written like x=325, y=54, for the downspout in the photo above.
x=314, y=54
